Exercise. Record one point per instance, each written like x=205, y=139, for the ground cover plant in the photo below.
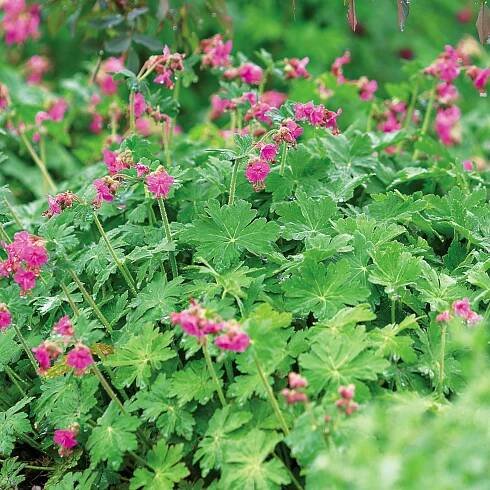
x=285, y=288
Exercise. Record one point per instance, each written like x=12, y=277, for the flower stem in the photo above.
x=283, y=158
x=12, y=377
x=272, y=398
x=168, y=234
x=3, y=234
x=108, y=389
x=212, y=373
x=25, y=346
x=90, y=300
x=369, y=122
x=122, y=268
x=72, y=304
x=14, y=214
x=428, y=113
x=393, y=311
x=442, y=374
x=132, y=123
x=39, y=162
x=234, y=175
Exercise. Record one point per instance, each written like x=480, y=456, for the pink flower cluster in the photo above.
x=296, y=68
x=447, y=66
x=116, y=161
x=216, y=52
x=249, y=73
x=20, y=21
x=346, y=402
x=462, y=309
x=106, y=188
x=26, y=255
x=79, y=357
x=391, y=119
x=5, y=317
x=56, y=113
x=447, y=125
x=256, y=172
x=480, y=77
x=166, y=65
x=295, y=393
x=200, y=322
x=288, y=133
x=66, y=439
x=159, y=182
x=104, y=79
x=367, y=88
x=35, y=67
x=337, y=66
x=57, y=204
x=317, y=115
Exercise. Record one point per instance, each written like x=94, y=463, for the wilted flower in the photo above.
x=216, y=52
x=166, y=65
x=57, y=204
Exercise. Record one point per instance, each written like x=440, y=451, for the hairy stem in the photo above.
x=212, y=373
x=168, y=234
x=442, y=374
x=428, y=114
x=69, y=298
x=283, y=158
x=108, y=389
x=122, y=268
x=132, y=123
x=25, y=346
x=272, y=399
x=234, y=175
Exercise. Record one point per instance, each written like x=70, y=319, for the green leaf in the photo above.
x=226, y=232
x=223, y=427
x=339, y=358
x=13, y=424
x=323, y=290
x=305, y=217
x=113, y=437
x=140, y=355
x=166, y=468
x=249, y=463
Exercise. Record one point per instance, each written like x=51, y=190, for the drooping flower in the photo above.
x=20, y=21
x=80, y=359
x=36, y=66
x=5, y=317
x=250, y=73
x=346, y=402
x=273, y=98
x=141, y=169
x=468, y=165
x=367, y=88
x=57, y=110
x=96, y=123
x=139, y=104
x=256, y=172
x=216, y=52
x=26, y=280
x=106, y=190
x=447, y=65
x=233, y=339
x=296, y=68
x=445, y=316
x=480, y=77
x=296, y=380
x=106, y=82
x=268, y=151
x=219, y=106
x=197, y=320
x=44, y=354
x=446, y=125
x=159, y=182
x=64, y=327
x=166, y=65
x=66, y=440
x=57, y=204
x=337, y=65
x=447, y=93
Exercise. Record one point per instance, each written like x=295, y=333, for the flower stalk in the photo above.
x=428, y=114
x=234, y=175
x=212, y=373
x=442, y=373
x=168, y=234
x=25, y=346
x=283, y=158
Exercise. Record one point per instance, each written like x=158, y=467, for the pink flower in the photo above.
x=250, y=73
x=303, y=111
x=141, y=169
x=269, y=152
x=259, y=111
x=159, y=182
x=54, y=207
x=480, y=77
x=256, y=173
x=97, y=123
x=468, y=165
x=40, y=117
x=292, y=396
x=273, y=98
x=447, y=93
x=4, y=97
x=296, y=68
x=346, y=403
x=347, y=392
x=57, y=110
x=462, y=307
x=367, y=88
x=338, y=64
x=139, y=104
x=64, y=327
x=445, y=316
x=36, y=66
x=66, y=439
x=79, y=358
x=220, y=106
x=296, y=381
x=472, y=318
x=20, y=21
x=26, y=280
x=464, y=15
x=106, y=190
x=446, y=125
x=5, y=317
x=44, y=353
x=234, y=339
x=216, y=52
x=166, y=65
x=58, y=203
x=447, y=66
x=143, y=126
x=104, y=79
x=197, y=321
